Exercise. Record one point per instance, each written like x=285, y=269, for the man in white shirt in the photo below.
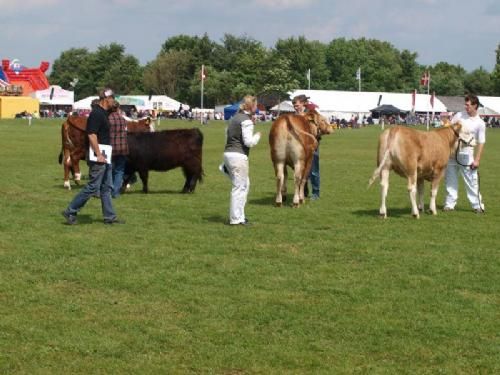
x=465, y=161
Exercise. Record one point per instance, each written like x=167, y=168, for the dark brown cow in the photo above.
x=293, y=139
x=75, y=143
x=417, y=156
x=165, y=150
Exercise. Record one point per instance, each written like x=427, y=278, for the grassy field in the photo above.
x=326, y=288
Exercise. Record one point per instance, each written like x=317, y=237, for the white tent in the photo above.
x=157, y=102
x=490, y=102
x=285, y=106
x=344, y=104
x=84, y=103
x=54, y=95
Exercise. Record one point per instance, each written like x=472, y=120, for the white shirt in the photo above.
x=473, y=130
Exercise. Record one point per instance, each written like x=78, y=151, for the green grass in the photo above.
x=326, y=288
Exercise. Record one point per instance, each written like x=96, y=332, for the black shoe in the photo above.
x=114, y=221
x=70, y=219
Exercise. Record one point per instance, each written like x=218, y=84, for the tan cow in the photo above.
x=293, y=139
x=418, y=156
x=75, y=143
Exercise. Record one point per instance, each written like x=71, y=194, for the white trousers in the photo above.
x=471, y=185
x=237, y=165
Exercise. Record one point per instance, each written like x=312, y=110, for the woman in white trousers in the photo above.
x=240, y=138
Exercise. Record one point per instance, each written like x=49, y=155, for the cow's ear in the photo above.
x=457, y=126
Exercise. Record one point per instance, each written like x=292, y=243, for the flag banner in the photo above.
x=426, y=77
x=358, y=74
x=308, y=74
x=203, y=73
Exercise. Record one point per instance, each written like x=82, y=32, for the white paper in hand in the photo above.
x=106, y=151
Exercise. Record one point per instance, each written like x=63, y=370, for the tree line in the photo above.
x=238, y=65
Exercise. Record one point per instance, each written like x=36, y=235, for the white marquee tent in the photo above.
x=492, y=103
x=54, y=95
x=142, y=102
x=344, y=104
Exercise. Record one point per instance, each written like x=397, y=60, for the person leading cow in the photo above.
x=100, y=172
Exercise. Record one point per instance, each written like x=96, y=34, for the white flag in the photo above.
x=358, y=74
x=308, y=74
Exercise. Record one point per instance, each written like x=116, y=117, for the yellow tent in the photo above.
x=11, y=105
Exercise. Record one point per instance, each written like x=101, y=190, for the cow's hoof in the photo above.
x=278, y=204
x=382, y=216
x=301, y=201
x=77, y=182
x=295, y=205
x=416, y=216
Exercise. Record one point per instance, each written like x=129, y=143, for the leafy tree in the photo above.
x=302, y=56
x=495, y=76
x=167, y=74
x=125, y=76
x=447, y=79
x=380, y=62
x=73, y=63
x=478, y=82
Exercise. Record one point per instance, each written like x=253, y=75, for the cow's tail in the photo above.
x=293, y=130
x=60, y=157
x=383, y=154
x=376, y=172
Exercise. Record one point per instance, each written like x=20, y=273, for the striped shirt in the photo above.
x=118, y=132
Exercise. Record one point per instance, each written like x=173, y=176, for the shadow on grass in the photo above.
x=215, y=219
x=152, y=192
x=83, y=220
x=393, y=212
x=268, y=201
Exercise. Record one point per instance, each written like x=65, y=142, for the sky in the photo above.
x=459, y=32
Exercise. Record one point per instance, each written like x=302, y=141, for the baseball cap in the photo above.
x=106, y=93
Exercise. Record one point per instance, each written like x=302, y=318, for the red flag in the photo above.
x=432, y=98
x=426, y=77
x=203, y=74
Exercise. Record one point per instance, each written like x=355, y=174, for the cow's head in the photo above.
x=321, y=123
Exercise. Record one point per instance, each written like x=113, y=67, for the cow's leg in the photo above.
x=144, y=178
x=434, y=191
x=75, y=163
x=420, y=194
x=284, y=185
x=384, y=188
x=280, y=170
x=193, y=173
x=412, y=190
x=298, y=176
x=67, y=167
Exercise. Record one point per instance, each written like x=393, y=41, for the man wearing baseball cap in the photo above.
x=100, y=179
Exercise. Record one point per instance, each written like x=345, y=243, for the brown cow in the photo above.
x=293, y=139
x=418, y=156
x=75, y=143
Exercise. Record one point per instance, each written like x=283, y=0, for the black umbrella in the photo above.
x=386, y=109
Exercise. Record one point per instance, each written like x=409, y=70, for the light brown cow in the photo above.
x=293, y=139
x=418, y=156
x=75, y=143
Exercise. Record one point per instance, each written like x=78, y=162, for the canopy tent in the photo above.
x=386, y=110
x=84, y=103
x=285, y=106
x=344, y=104
x=486, y=111
x=54, y=95
x=490, y=102
x=141, y=102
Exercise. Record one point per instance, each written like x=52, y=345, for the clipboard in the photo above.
x=106, y=150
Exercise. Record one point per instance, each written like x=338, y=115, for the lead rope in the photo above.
x=460, y=140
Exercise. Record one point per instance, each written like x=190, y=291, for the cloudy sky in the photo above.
x=456, y=31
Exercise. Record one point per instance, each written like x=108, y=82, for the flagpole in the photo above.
x=359, y=81
x=428, y=90
x=309, y=79
x=201, y=101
